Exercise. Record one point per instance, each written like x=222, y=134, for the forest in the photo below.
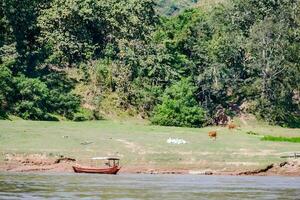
x=90, y=59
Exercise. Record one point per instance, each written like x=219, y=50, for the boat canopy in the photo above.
x=105, y=158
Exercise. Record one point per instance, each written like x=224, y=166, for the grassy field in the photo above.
x=139, y=144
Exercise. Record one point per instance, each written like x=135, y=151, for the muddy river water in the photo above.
x=139, y=186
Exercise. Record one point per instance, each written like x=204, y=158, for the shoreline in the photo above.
x=36, y=163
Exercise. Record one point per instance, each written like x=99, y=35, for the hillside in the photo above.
x=197, y=68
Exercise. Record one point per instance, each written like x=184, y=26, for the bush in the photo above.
x=284, y=114
x=60, y=100
x=79, y=117
x=30, y=98
x=5, y=90
x=65, y=104
x=84, y=115
x=179, y=107
x=35, y=100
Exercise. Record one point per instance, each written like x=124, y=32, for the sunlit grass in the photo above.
x=139, y=144
x=281, y=139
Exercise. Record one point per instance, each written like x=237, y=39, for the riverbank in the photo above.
x=36, y=146
x=41, y=163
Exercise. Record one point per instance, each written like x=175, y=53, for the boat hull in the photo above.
x=90, y=170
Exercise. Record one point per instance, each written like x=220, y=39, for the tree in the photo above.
x=21, y=17
x=277, y=80
x=76, y=30
x=221, y=82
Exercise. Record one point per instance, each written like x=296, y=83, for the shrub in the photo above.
x=35, y=100
x=65, y=104
x=30, y=96
x=60, y=99
x=179, y=107
x=84, y=115
x=284, y=114
x=79, y=117
x=5, y=89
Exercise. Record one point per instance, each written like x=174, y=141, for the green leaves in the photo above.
x=34, y=99
x=5, y=90
x=30, y=98
x=179, y=107
x=268, y=47
x=244, y=52
x=76, y=30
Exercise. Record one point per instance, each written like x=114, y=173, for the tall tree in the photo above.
x=76, y=30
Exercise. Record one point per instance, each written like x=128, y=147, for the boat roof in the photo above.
x=105, y=158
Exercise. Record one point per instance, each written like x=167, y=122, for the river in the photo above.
x=139, y=186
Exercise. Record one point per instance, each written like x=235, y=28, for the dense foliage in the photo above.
x=58, y=57
x=179, y=107
x=28, y=81
x=241, y=56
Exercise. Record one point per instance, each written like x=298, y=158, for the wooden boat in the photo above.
x=110, y=170
x=112, y=163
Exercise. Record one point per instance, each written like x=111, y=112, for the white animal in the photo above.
x=176, y=141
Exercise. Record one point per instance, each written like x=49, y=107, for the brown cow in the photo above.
x=231, y=125
x=212, y=134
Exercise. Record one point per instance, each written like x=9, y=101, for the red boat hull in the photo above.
x=110, y=170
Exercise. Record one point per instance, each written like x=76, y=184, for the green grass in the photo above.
x=281, y=139
x=139, y=144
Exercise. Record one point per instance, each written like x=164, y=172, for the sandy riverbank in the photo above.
x=42, y=163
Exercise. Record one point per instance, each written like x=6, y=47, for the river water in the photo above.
x=129, y=186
